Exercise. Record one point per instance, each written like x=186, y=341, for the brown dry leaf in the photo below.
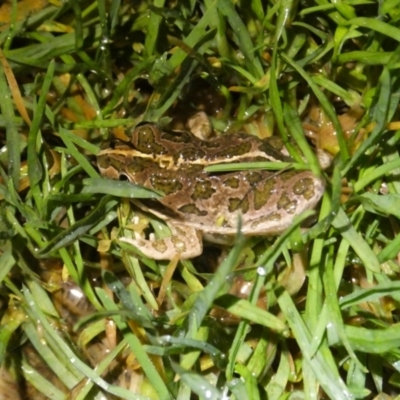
x=292, y=278
x=167, y=279
x=76, y=107
x=321, y=129
x=119, y=133
x=24, y=9
x=8, y=385
x=87, y=108
x=15, y=92
x=103, y=245
x=23, y=180
x=56, y=167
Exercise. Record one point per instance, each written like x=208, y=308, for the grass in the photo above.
x=83, y=315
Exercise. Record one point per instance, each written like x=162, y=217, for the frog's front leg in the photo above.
x=184, y=242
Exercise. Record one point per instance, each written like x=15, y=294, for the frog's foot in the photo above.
x=184, y=243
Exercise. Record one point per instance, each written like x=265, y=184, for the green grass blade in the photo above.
x=12, y=136
x=244, y=41
x=153, y=29
x=346, y=229
x=325, y=104
x=70, y=235
x=71, y=356
x=327, y=376
x=35, y=169
x=376, y=25
x=207, y=296
x=137, y=349
x=385, y=101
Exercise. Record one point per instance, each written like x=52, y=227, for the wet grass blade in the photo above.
x=35, y=168
x=70, y=235
x=244, y=41
x=119, y=189
x=325, y=104
x=12, y=136
x=137, y=349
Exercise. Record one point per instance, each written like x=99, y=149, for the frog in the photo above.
x=198, y=203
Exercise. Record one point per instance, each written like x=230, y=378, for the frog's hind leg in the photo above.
x=184, y=242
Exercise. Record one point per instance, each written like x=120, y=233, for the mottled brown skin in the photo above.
x=174, y=162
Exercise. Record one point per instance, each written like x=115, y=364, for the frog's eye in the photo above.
x=124, y=177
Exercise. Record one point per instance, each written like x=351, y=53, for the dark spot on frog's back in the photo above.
x=241, y=204
x=236, y=150
x=232, y=182
x=275, y=142
x=210, y=144
x=177, y=137
x=138, y=164
x=202, y=190
x=159, y=246
x=273, y=152
x=192, y=209
x=116, y=161
x=103, y=161
x=304, y=187
x=144, y=139
x=166, y=183
x=253, y=177
x=287, y=175
x=263, y=191
x=288, y=205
